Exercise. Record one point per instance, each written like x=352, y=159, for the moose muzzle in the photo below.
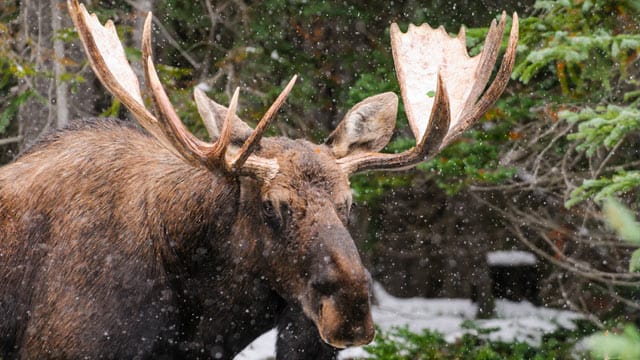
x=343, y=326
x=341, y=288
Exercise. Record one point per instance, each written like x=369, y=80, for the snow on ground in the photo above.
x=511, y=258
x=522, y=321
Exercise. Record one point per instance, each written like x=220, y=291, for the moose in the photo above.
x=122, y=242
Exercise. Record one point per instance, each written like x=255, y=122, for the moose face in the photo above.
x=309, y=255
x=306, y=251
x=312, y=258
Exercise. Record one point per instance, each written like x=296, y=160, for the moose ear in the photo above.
x=213, y=115
x=368, y=126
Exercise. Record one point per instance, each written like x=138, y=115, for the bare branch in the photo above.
x=11, y=140
x=165, y=33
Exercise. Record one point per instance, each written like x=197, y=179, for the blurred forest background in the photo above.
x=533, y=175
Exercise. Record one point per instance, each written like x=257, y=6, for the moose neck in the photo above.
x=209, y=252
x=195, y=212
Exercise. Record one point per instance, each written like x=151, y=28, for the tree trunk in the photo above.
x=58, y=96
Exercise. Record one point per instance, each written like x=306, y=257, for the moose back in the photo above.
x=121, y=242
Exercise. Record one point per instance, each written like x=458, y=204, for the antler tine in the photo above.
x=426, y=147
x=217, y=154
x=193, y=149
x=263, y=125
x=496, y=88
x=487, y=61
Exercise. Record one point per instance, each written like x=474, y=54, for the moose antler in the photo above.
x=441, y=89
x=108, y=60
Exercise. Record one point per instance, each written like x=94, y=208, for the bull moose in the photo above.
x=119, y=242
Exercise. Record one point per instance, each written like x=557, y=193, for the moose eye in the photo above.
x=271, y=215
x=268, y=209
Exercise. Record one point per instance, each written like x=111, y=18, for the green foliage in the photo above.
x=10, y=71
x=10, y=109
x=634, y=261
x=473, y=159
x=620, y=346
x=402, y=344
x=578, y=42
x=603, y=126
x=603, y=187
x=576, y=55
x=367, y=188
x=622, y=221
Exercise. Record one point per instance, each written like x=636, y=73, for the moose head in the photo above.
x=294, y=195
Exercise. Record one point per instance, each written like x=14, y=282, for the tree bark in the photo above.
x=56, y=99
x=36, y=115
x=61, y=88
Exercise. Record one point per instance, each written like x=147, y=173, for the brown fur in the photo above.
x=110, y=246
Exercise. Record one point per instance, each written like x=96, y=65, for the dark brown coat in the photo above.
x=112, y=246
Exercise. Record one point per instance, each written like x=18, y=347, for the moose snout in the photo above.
x=341, y=327
x=343, y=311
x=341, y=290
